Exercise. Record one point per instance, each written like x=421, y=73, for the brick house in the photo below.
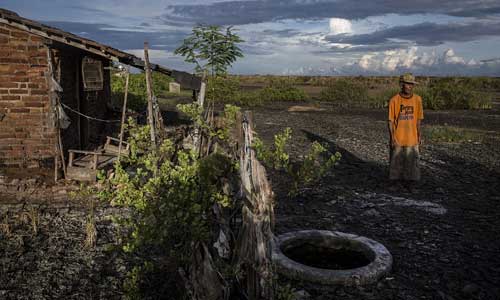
x=32, y=57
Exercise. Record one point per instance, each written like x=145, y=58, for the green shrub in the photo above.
x=270, y=94
x=250, y=99
x=281, y=89
x=345, y=93
x=450, y=134
x=227, y=90
x=481, y=83
x=430, y=99
x=313, y=167
x=381, y=99
x=223, y=89
x=169, y=193
x=137, y=91
x=449, y=93
x=443, y=93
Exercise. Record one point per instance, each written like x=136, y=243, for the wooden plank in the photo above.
x=81, y=174
x=85, y=152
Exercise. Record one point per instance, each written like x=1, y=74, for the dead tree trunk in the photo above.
x=254, y=241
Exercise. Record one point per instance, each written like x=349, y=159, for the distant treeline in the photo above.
x=352, y=91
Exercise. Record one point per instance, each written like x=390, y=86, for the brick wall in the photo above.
x=26, y=133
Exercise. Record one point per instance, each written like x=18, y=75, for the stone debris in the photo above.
x=371, y=213
x=386, y=199
x=301, y=295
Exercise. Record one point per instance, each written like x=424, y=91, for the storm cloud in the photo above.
x=123, y=38
x=248, y=12
x=423, y=34
x=298, y=36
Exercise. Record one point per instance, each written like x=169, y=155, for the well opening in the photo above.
x=332, y=258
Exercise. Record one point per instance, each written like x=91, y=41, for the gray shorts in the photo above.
x=404, y=163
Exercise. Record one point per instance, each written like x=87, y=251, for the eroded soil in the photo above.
x=443, y=236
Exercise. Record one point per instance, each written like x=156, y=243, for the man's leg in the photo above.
x=396, y=163
x=412, y=168
x=414, y=160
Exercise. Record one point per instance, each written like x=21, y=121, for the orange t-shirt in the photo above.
x=404, y=113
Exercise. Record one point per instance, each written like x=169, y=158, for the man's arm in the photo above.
x=390, y=126
x=419, y=131
x=419, y=121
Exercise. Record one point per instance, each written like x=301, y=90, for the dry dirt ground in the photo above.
x=443, y=237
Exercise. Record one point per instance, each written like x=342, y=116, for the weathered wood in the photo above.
x=56, y=168
x=124, y=110
x=55, y=96
x=78, y=106
x=205, y=282
x=198, y=138
x=84, y=152
x=61, y=149
x=160, y=129
x=201, y=96
x=115, y=149
x=54, y=100
x=149, y=80
x=255, y=237
x=81, y=174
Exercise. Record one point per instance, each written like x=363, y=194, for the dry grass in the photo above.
x=452, y=134
x=32, y=218
x=91, y=233
x=5, y=227
x=90, y=228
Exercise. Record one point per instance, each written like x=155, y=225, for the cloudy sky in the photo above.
x=303, y=37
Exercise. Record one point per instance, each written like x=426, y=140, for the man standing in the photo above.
x=405, y=115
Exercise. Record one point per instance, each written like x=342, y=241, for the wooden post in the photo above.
x=61, y=149
x=56, y=101
x=124, y=110
x=149, y=79
x=78, y=105
x=56, y=168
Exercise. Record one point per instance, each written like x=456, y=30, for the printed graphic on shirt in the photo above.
x=406, y=113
